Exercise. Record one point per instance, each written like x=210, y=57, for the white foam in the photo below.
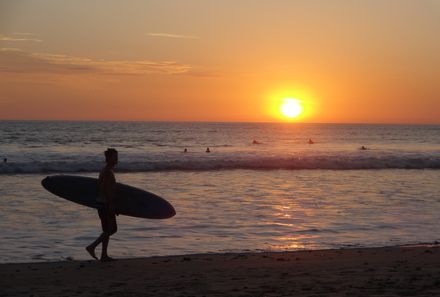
x=336, y=161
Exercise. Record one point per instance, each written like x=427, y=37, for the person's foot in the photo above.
x=91, y=252
x=107, y=259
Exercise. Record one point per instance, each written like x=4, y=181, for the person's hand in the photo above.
x=113, y=208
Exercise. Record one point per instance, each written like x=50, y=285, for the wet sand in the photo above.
x=387, y=271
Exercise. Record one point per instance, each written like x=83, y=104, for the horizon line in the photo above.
x=217, y=122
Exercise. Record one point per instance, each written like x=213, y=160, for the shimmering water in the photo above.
x=220, y=206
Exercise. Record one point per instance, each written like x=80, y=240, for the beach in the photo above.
x=384, y=271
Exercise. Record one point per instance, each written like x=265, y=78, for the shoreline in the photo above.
x=412, y=270
x=69, y=259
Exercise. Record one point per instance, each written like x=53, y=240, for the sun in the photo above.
x=291, y=108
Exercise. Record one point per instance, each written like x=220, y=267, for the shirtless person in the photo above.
x=106, y=205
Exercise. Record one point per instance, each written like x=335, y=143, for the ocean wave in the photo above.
x=334, y=162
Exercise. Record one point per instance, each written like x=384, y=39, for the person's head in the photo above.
x=111, y=156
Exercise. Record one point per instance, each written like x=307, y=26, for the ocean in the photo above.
x=262, y=187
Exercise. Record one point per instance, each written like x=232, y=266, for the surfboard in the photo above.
x=130, y=201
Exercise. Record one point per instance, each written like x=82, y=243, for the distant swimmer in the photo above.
x=5, y=160
x=310, y=141
x=185, y=150
x=208, y=150
x=255, y=142
x=363, y=148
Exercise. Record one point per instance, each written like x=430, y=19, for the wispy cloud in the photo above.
x=169, y=35
x=23, y=33
x=19, y=37
x=10, y=49
x=14, y=60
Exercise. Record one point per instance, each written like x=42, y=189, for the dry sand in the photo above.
x=388, y=271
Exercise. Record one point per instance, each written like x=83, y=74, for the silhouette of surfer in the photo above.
x=185, y=150
x=310, y=141
x=208, y=150
x=106, y=205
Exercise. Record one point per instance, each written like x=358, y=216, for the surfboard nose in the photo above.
x=45, y=182
x=48, y=184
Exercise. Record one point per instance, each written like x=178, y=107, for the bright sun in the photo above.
x=291, y=108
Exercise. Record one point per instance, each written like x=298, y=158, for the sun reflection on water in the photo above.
x=297, y=242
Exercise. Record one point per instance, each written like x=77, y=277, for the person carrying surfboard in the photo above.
x=106, y=206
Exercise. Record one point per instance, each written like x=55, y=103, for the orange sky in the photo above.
x=349, y=61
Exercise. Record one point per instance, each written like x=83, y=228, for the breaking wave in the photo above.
x=330, y=162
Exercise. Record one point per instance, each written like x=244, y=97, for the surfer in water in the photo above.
x=106, y=208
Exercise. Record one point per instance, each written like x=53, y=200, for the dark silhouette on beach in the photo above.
x=106, y=205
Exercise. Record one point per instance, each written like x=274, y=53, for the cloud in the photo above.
x=17, y=61
x=168, y=35
x=10, y=49
x=19, y=37
x=24, y=33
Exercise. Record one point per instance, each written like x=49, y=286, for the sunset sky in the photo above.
x=349, y=61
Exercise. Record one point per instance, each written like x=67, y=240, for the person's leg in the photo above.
x=105, y=240
x=91, y=248
x=111, y=229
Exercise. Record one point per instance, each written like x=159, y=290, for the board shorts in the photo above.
x=108, y=218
